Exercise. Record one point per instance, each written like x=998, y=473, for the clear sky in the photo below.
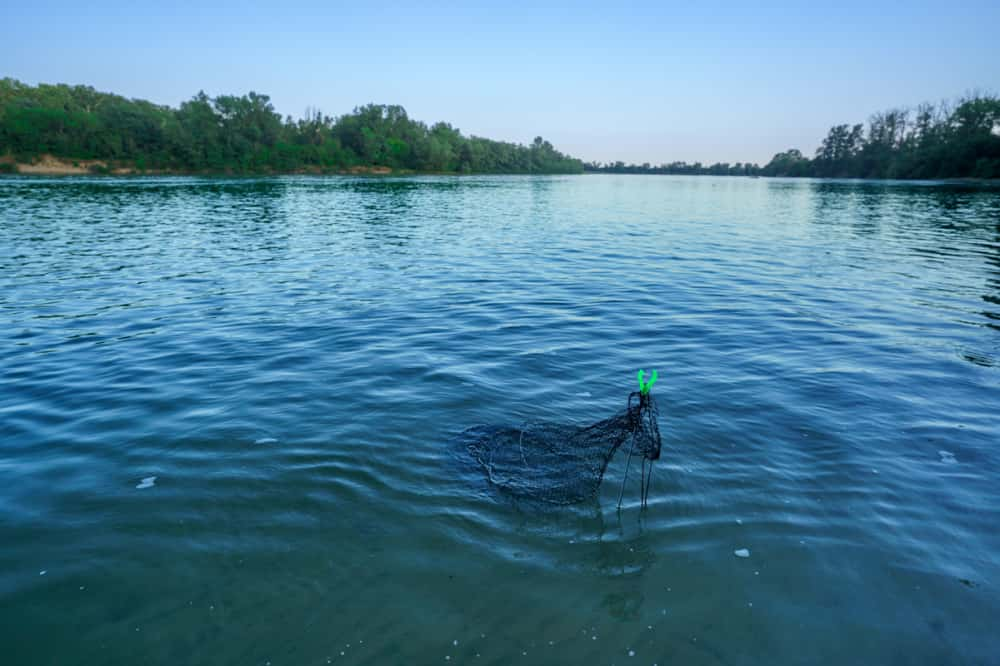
x=657, y=82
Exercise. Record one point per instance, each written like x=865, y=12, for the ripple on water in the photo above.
x=293, y=357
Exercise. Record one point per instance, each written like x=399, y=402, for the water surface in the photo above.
x=228, y=412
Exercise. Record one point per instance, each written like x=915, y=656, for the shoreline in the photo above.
x=49, y=165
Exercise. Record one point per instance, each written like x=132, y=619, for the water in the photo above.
x=228, y=409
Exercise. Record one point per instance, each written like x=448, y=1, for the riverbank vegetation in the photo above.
x=76, y=129
x=931, y=141
x=960, y=140
x=677, y=168
x=244, y=134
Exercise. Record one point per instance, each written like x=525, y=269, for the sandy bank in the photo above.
x=49, y=165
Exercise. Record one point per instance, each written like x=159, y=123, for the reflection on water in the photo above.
x=230, y=407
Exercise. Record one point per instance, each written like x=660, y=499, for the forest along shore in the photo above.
x=231, y=134
x=73, y=130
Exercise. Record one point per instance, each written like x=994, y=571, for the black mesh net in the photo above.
x=564, y=464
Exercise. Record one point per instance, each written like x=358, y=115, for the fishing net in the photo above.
x=564, y=464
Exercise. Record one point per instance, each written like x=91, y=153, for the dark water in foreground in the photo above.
x=290, y=359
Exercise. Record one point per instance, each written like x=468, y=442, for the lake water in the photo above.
x=229, y=408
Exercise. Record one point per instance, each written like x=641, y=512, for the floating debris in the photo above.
x=741, y=552
x=43, y=572
x=266, y=440
x=947, y=457
x=631, y=653
x=585, y=394
x=147, y=482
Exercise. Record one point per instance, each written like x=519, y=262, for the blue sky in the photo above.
x=639, y=82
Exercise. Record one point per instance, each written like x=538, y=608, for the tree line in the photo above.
x=960, y=140
x=676, y=168
x=244, y=134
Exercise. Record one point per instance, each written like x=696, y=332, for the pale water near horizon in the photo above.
x=229, y=408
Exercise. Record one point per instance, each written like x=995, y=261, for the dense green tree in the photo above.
x=939, y=142
x=943, y=141
x=837, y=154
x=244, y=134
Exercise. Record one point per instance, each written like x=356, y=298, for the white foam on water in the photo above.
x=266, y=440
x=585, y=394
x=947, y=457
x=741, y=552
x=147, y=482
x=631, y=653
x=43, y=572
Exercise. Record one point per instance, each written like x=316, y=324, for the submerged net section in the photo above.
x=564, y=464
